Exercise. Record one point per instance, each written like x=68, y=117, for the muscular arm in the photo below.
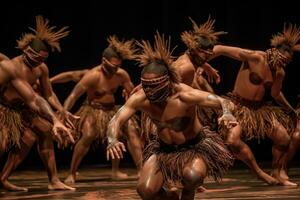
x=123, y=114
x=202, y=98
x=277, y=84
x=127, y=85
x=88, y=80
x=33, y=100
x=64, y=77
x=235, y=53
x=47, y=90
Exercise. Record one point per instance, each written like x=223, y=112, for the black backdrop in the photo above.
x=249, y=24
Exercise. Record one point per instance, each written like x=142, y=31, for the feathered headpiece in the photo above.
x=290, y=37
x=45, y=33
x=160, y=53
x=206, y=30
x=125, y=49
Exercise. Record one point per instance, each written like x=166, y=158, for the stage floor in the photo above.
x=95, y=183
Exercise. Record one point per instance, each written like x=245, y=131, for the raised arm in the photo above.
x=235, y=53
x=64, y=77
x=87, y=81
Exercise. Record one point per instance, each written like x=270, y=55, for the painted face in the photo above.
x=33, y=58
x=200, y=56
x=111, y=66
x=157, y=89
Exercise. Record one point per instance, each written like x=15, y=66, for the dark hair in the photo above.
x=39, y=45
x=204, y=42
x=109, y=52
x=155, y=68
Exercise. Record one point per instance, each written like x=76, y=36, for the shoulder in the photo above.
x=123, y=74
x=91, y=76
x=137, y=99
x=9, y=67
x=44, y=68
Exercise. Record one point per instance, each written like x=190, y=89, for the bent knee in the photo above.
x=146, y=192
x=193, y=177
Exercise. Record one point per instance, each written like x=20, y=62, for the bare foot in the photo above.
x=11, y=187
x=119, y=175
x=268, y=179
x=58, y=185
x=284, y=182
x=70, y=180
x=288, y=183
x=201, y=189
x=283, y=174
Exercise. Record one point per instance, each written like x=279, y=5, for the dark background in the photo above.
x=250, y=24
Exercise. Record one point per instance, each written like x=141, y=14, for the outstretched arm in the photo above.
x=235, y=53
x=47, y=90
x=115, y=148
x=202, y=98
x=50, y=96
x=64, y=77
x=39, y=104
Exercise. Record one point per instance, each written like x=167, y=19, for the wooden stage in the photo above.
x=94, y=183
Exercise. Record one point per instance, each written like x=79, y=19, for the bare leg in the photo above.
x=242, y=152
x=151, y=180
x=292, y=150
x=46, y=152
x=4, y=140
x=15, y=157
x=81, y=148
x=193, y=176
x=134, y=145
x=281, y=141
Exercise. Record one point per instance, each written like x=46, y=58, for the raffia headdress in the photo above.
x=45, y=33
x=126, y=49
x=290, y=36
x=161, y=53
x=190, y=38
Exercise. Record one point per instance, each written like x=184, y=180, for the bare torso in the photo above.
x=253, y=78
x=9, y=94
x=186, y=69
x=105, y=87
x=175, y=126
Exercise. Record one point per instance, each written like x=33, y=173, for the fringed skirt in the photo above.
x=13, y=121
x=258, y=118
x=148, y=129
x=101, y=115
x=173, y=158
